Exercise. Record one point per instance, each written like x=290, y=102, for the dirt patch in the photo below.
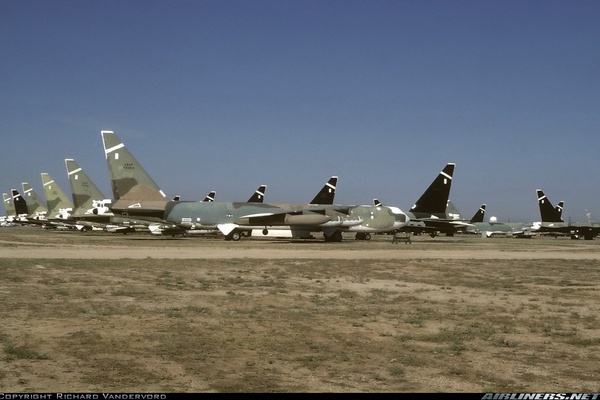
x=97, y=312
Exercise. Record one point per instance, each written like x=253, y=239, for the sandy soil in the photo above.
x=136, y=313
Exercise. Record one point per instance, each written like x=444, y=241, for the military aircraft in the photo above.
x=136, y=194
x=259, y=195
x=210, y=196
x=9, y=218
x=36, y=207
x=59, y=205
x=91, y=207
x=430, y=213
x=477, y=225
x=552, y=222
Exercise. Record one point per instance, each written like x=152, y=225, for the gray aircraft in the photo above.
x=552, y=222
x=136, y=194
x=477, y=225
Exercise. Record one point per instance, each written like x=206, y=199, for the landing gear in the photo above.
x=363, y=236
x=335, y=237
x=235, y=236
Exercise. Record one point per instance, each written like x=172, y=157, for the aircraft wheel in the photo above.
x=235, y=236
x=367, y=236
x=336, y=237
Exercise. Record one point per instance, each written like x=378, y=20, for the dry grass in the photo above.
x=297, y=325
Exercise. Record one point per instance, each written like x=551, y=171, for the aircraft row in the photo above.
x=139, y=203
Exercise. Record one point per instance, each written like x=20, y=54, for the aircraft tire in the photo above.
x=235, y=236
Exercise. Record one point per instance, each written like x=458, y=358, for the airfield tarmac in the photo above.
x=104, y=312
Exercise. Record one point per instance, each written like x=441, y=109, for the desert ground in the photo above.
x=101, y=312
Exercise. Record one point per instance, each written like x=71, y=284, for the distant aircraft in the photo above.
x=136, y=194
x=36, y=207
x=210, y=196
x=9, y=218
x=429, y=214
x=59, y=205
x=91, y=207
x=259, y=195
x=488, y=229
x=553, y=223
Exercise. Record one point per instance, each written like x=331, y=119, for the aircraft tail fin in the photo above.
x=559, y=208
x=84, y=191
x=327, y=193
x=479, y=215
x=590, y=218
x=9, y=204
x=35, y=204
x=547, y=210
x=129, y=180
x=452, y=212
x=434, y=200
x=19, y=202
x=211, y=196
x=259, y=195
x=377, y=203
x=55, y=197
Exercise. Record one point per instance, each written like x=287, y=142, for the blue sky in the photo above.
x=228, y=95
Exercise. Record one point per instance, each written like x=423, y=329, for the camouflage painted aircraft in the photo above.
x=136, y=194
x=9, y=218
x=552, y=222
x=59, y=205
x=36, y=207
x=92, y=207
x=9, y=205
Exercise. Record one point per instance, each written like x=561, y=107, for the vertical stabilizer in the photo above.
x=547, y=210
x=559, y=208
x=35, y=204
x=86, y=194
x=210, y=196
x=259, y=195
x=9, y=205
x=479, y=215
x=128, y=179
x=452, y=212
x=435, y=198
x=56, y=199
x=19, y=203
x=327, y=193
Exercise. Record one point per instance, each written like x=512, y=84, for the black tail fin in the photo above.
x=547, y=210
x=259, y=195
x=211, y=196
x=435, y=198
x=479, y=215
x=19, y=202
x=327, y=193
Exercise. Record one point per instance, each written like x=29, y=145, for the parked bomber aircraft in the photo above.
x=36, y=207
x=92, y=208
x=136, y=194
x=553, y=223
x=59, y=205
x=430, y=214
